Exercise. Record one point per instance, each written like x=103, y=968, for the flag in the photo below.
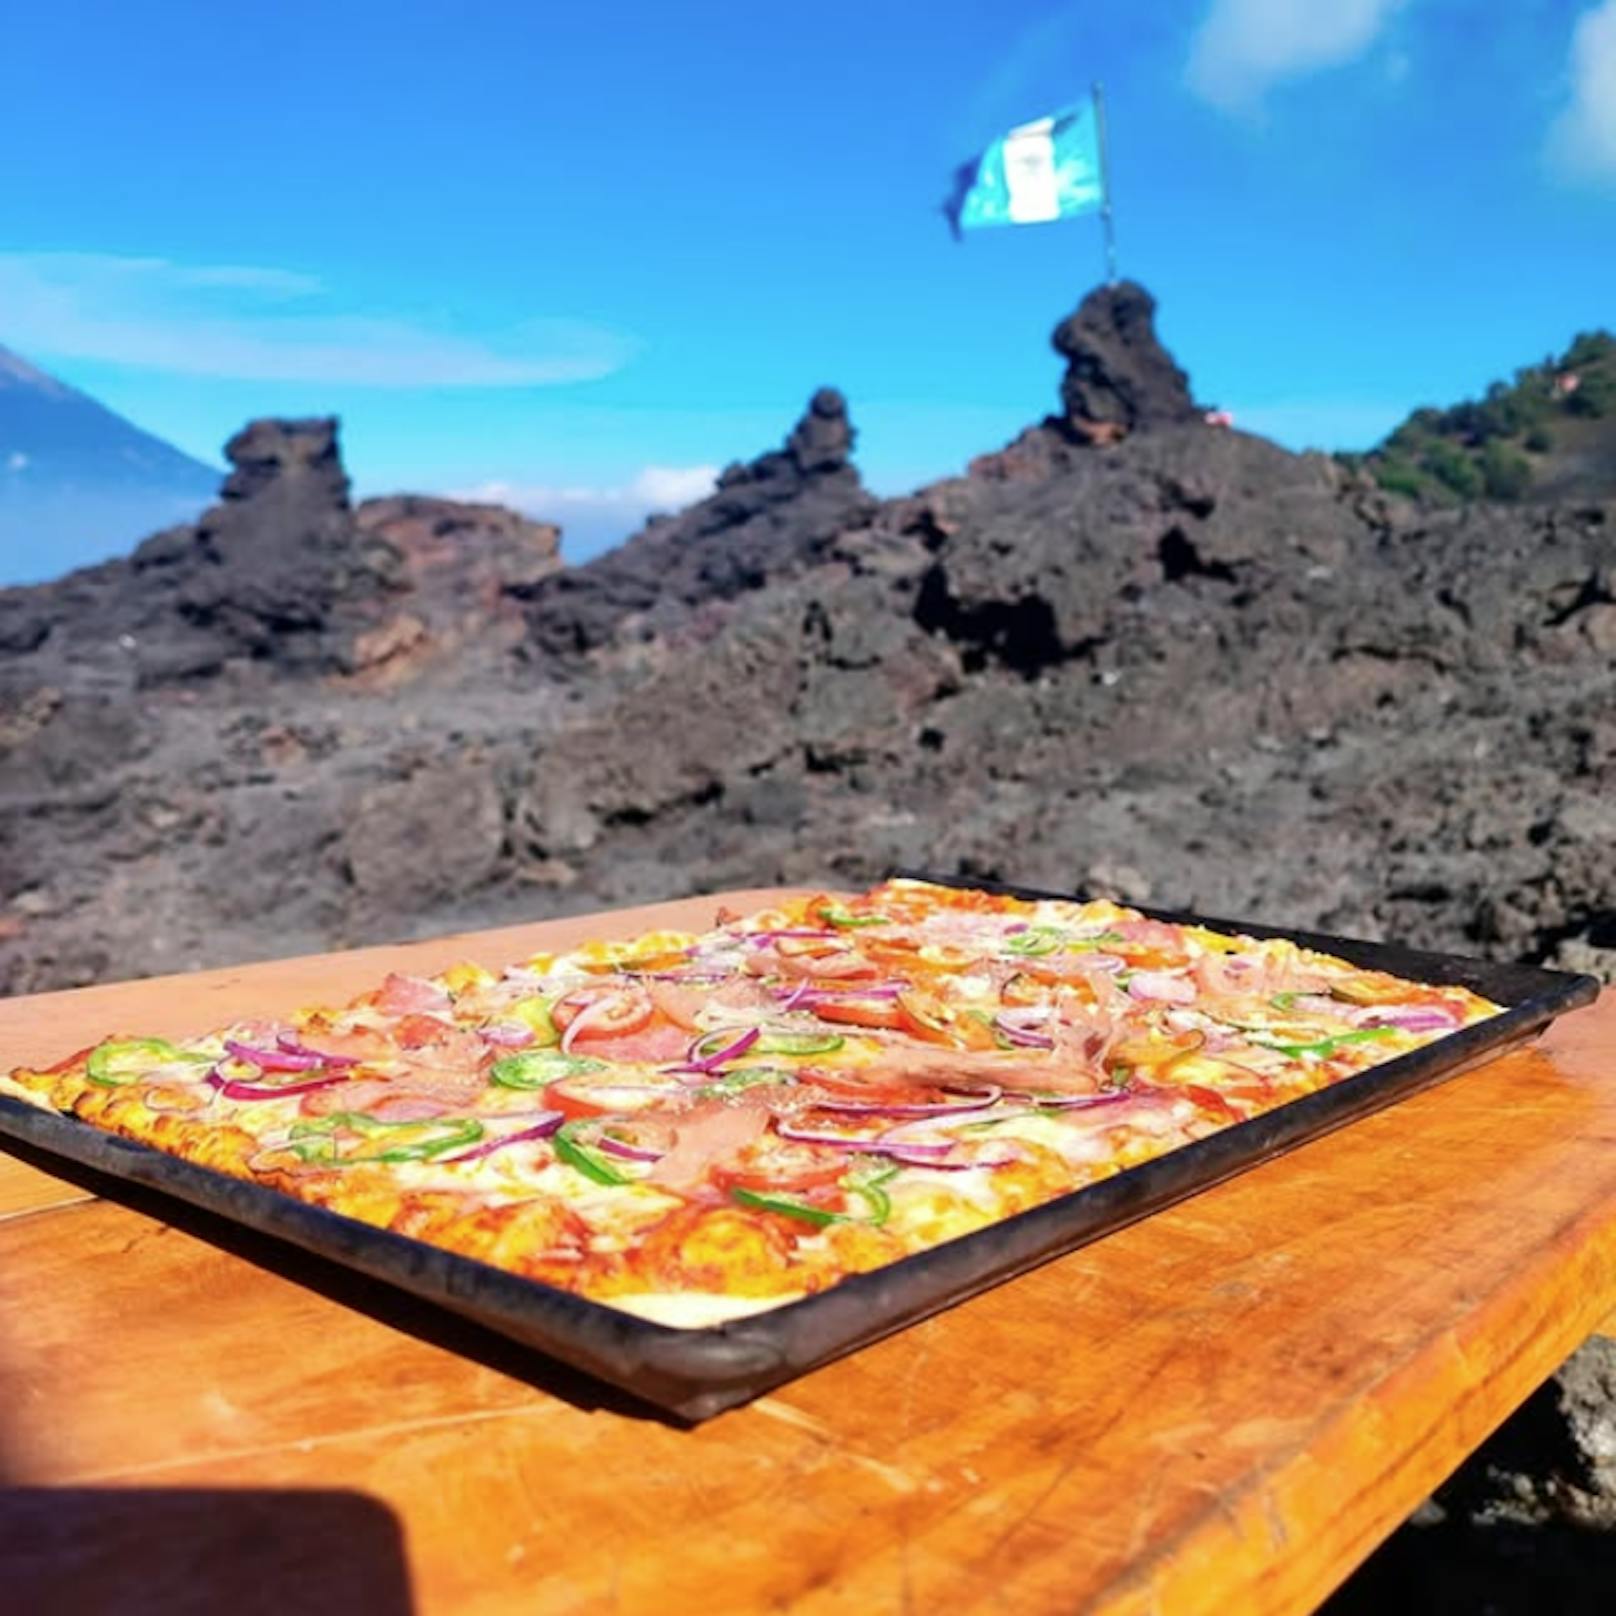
x=1043, y=170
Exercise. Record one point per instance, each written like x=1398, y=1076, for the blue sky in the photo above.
x=583, y=256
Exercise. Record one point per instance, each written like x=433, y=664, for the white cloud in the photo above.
x=595, y=517
x=253, y=323
x=16, y=461
x=1244, y=47
x=654, y=488
x=1582, y=140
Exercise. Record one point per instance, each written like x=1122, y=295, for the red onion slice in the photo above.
x=826, y=1136
x=1414, y=1018
x=234, y=1089
x=549, y=1123
x=1078, y=1102
x=971, y=1100
x=742, y=1040
x=908, y=1143
x=275, y=1060
x=506, y=1034
x=1026, y=1037
x=797, y=995
x=291, y=1046
x=628, y=1152
x=598, y=1009
x=766, y=939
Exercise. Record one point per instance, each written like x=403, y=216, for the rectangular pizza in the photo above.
x=693, y=1128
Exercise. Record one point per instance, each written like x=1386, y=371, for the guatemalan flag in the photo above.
x=1043, y=170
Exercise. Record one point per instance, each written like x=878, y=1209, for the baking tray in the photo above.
x=694, y=1374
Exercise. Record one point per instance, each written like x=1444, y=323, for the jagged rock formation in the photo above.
x=1119, y=380
x=467, y=569
x=275, y=573
x=765, y=520
x=1117, y=373
x=1189, y=664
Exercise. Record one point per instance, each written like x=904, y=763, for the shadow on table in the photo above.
x=387, y=1303
x=73, y=1551
x=1464, y=1569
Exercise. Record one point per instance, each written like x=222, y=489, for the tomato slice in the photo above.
x=1211, y=1101
x=612, y=1011
x=811, y=947
x=846, y=1086
x=594, y=1095
x=927, y=1017
x=860, y=1012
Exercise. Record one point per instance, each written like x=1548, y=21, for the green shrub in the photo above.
x=1596, y=397
x=1454, y=469
x=1588, y=348
x=1540, y=440
x=1504, y=473
x=1399, y=477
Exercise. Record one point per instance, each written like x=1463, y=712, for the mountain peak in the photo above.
x=78, y=483
x=15, y=371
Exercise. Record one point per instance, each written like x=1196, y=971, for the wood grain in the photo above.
x=1221, y=1409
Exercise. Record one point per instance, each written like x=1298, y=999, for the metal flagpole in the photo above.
x=1105, y=186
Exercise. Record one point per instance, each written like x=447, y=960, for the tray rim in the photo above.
x=694, y=1373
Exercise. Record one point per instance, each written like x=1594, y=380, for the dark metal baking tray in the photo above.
x=694, y=1374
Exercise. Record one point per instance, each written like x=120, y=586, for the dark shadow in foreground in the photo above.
x=73, y=1551
x=1458, y=1568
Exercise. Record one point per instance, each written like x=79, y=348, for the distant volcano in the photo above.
x=77, y=482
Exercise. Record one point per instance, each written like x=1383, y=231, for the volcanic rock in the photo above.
x=765, y=521
x=463, y=551
x=465, y=571
x=1118, y=375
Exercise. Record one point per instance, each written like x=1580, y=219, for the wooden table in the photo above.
x=1222, y=1409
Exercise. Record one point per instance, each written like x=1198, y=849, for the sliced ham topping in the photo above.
x=678, y=1003
x=742, y=994
x=705, y=1137
x=927, y=1066
x=410, y=1107
x=1151, y=934
x=455, y=1085
x=656, y=1044
x=399, y=995
x=843, y=967
x=1163, y=986
x=359, y=1045
x=360, y=1094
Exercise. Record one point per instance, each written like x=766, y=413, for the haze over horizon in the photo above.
x=578, y=271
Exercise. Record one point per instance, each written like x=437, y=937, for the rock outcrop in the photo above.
x=765, y=521
x=1119, y=377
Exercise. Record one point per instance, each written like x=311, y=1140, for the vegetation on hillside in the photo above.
x=1510, y=442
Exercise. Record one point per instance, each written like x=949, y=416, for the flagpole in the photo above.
x=1105, y=186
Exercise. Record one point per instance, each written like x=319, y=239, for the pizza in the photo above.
x=692, y=1127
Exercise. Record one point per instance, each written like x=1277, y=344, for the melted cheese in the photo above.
x=696, y=1310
